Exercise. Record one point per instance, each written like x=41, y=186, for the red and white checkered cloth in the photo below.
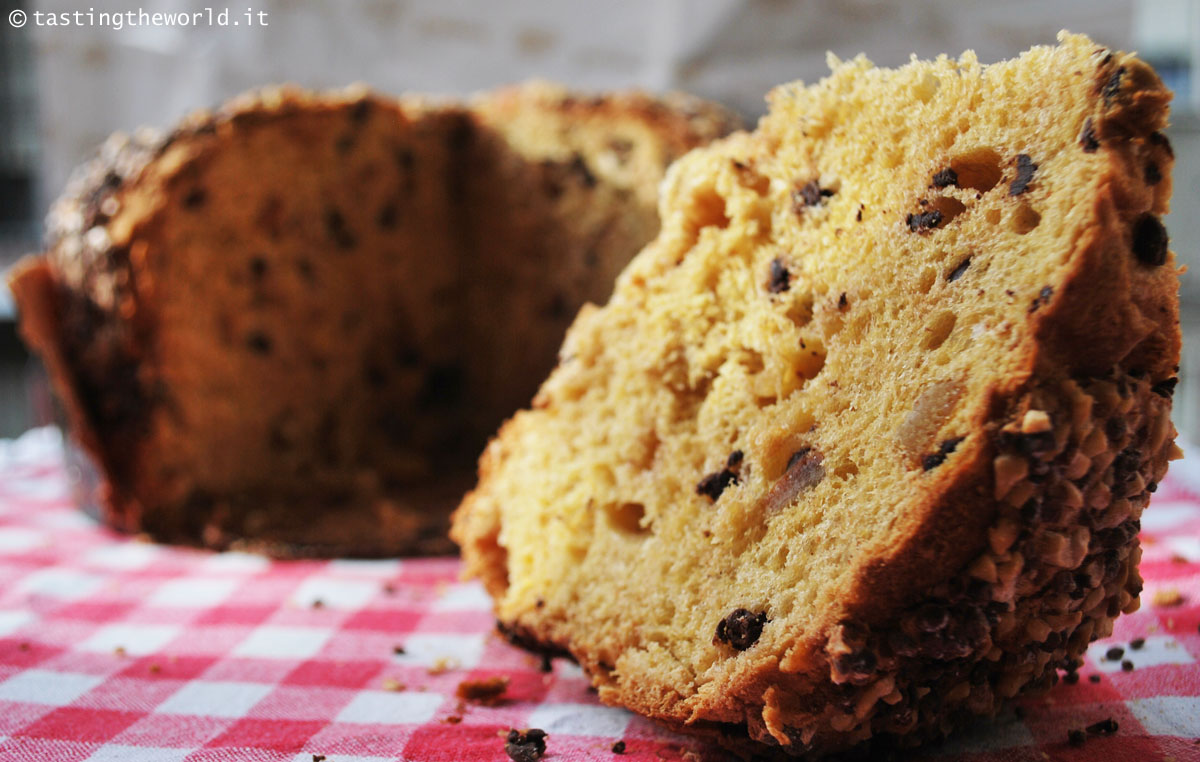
x=113, y=649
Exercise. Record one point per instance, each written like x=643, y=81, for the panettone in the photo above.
x=292, y=322
x=859, y=446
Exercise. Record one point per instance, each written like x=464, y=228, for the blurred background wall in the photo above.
x=63, y=88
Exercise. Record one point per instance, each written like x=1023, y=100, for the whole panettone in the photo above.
x=292, y=322
x=859, y=446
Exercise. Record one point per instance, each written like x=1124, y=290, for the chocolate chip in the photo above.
x=1126, y=666
x=1114, y=653
x=259, y=342
x=258, y=267
x=778, y=279
x=305, y=268
x=842, y=301
x=1113, y=86
x=335, y=226
x=1103, y=728
x=741, y=629
x=1152, y=174
x=318, y=758
x=360, y=111
x=443, y=386
x=858, y=216
x=715, y=483
x=1150, y=241
x=1088, y=139
x=1042, y=298
x=958, y=271
x=1160, y=140
x=558, y=307
x=809, y=194
x=525, y=746
x=945, y=178
x=404, y=159
x=1076, y=737
x=1093, y=678
x=933, y=460
x=923, y=221
x=1137, y=643
x=1025, y=170
x=388, y=214
x=195, y=198
x=618, y=747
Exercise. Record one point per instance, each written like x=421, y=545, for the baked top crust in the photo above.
x=279, y=322
x=859, y=444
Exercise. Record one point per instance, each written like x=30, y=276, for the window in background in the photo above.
x=18, y=138
x=19, y=229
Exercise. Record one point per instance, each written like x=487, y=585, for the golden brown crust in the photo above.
x=1026, y=547
x=93, y=304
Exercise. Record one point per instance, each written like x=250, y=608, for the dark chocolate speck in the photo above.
x=741, y=629
x=1025, y=170
x=1152, y=174
x=195, y=198
x=810, y=194
x=525, y=745
x=1088, y=138
x=922, y=221
x=259, y=342
x=1113, y=86
x=1165, y=388
x=945, y=178
x=338, y=230
x=958, y=271
x=1150, y=241
x=715, y=483
x=1042, y=298
x=933, y=460
x=778, y=278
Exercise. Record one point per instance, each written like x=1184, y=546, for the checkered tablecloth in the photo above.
x=114, y=649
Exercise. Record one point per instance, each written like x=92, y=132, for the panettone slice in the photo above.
x=860, y=443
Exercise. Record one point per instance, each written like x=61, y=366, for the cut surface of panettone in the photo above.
x=292, y=322
x=859, y=444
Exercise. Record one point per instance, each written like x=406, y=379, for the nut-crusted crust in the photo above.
x=83, y=313
x=1031, y=536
